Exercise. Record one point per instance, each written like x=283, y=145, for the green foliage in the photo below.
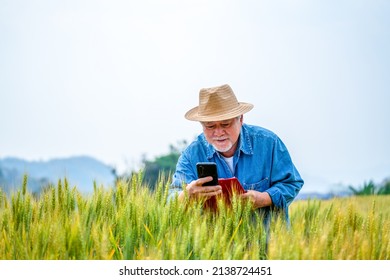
x=366, y=189
x=165, y=164
x=385, y=188
x=370, y=188
x=162, y=165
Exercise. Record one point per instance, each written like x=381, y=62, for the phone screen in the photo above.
x=206, y=169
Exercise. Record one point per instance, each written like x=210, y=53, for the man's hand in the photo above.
x=196, y=190
x=259, y=199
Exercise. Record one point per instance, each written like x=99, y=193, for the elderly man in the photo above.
x=254, y=155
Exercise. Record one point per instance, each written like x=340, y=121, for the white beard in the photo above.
x=223, y=150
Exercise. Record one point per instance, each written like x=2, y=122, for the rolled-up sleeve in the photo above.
x=286, y=181
x=183, y=175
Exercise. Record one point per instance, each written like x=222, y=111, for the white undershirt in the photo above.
x=229, y=161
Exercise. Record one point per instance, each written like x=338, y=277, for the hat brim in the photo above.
x=242, y=108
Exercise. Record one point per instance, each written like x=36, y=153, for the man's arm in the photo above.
x=286, y=181
x=259, y=199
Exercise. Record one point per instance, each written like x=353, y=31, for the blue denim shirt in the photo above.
x=261, y=162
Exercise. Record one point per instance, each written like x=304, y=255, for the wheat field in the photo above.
x=129, y=221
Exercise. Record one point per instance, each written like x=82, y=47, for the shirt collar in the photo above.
x=244, y=143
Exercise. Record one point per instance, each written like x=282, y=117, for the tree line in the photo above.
x=160, y=166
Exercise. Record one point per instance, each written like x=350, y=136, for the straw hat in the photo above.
x=217, y=104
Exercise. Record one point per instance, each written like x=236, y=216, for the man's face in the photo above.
x=223, y=135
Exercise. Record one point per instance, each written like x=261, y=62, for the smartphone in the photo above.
x=206, y=169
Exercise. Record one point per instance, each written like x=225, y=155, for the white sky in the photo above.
x=113, y=79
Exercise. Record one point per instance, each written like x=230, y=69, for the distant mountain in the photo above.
x=321, y=196
x=80, y=171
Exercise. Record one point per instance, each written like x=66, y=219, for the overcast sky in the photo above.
x=113, y=79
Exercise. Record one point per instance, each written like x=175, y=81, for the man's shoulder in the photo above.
x=199, y=142
x=258, y=131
